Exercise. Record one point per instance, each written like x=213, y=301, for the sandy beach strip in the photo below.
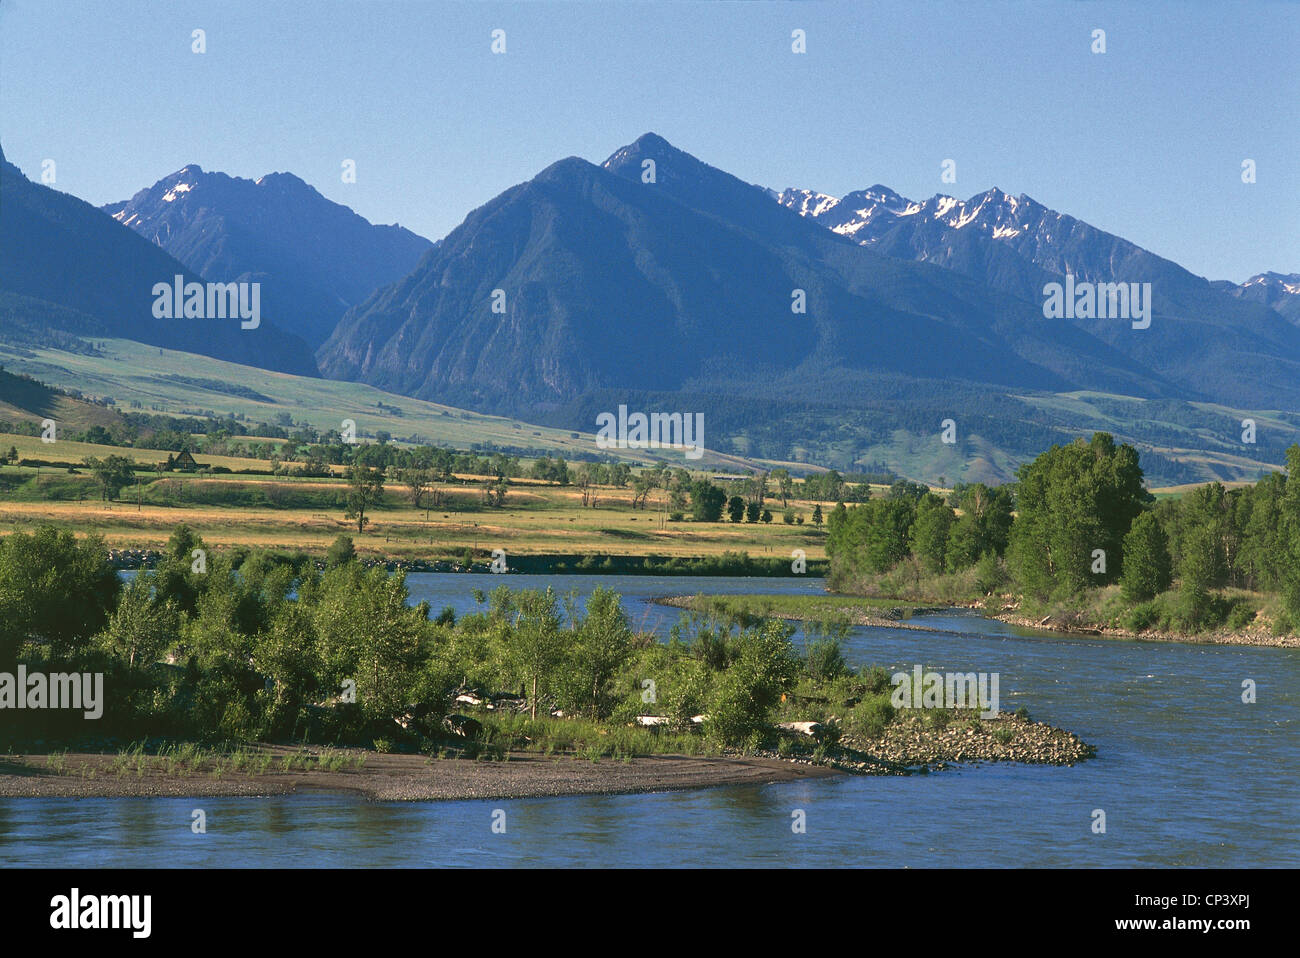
x=394, y=777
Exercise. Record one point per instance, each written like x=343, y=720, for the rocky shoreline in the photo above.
x=1011, y=616
x=914, y=742
x=911, y=744
x=907, y=742
x=1000, y=610
x=889, y=618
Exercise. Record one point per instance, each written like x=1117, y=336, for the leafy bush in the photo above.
x=824, y=661
x=870, y=716
x=1241, y=616
x=1141, y=617
x=752, y=684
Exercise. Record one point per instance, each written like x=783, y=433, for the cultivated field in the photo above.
x=307, y=514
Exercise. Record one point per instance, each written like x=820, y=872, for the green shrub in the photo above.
x=1241, y=616
x=876, y=680
x=938, y=719
x=751, y=686
x=870, y=716
x=1141, y=617
x=824, y=662
x=989, y=574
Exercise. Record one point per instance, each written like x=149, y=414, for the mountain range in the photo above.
x=1218, y=342
x=809, y=327
x=313, y=257
x=685, y=283
x=68, y=270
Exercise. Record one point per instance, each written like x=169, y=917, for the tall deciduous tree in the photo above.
x=112, y=472
x=1147, y=566
x=535, y=646
x=602, y=643
x=1074, y=500
x=707, y=501
x=365, y=491
x=929, y=535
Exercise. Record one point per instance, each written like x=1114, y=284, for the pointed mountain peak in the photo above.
x=652, y=141
x=688, y=178
x=647, y=146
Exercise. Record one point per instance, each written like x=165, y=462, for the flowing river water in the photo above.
x=1186, y=774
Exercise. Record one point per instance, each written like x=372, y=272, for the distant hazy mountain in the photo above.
x=313, y=257
x=686, y=283
x=66, y=267
x=1213, y=340
x=1277, y=290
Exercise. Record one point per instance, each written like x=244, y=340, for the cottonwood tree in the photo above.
x=141, y=629
x=984, y=526
x=601, y=644
x=368, y=632
x=784, y=485
x=1073, y=500
x=707, y=501
x=930, y=530
x=418, y=481
x=535, y=646
x=112, y=472
x=1147, y=569
x=365, y=491
x=583, y=476
x=641, y=487
x=55, y=591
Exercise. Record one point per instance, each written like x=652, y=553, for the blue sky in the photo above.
x=1145, y=140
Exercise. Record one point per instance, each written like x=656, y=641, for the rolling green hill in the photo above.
x=145, y=378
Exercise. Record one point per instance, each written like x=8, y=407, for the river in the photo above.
x=1186, y=774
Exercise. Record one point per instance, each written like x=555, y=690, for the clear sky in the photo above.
x=1145, y=140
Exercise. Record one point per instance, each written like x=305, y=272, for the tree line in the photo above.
x=1078, y=519
x=233, y=646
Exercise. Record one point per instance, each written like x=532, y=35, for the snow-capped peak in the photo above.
x=867, y=215
x=807, y=202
